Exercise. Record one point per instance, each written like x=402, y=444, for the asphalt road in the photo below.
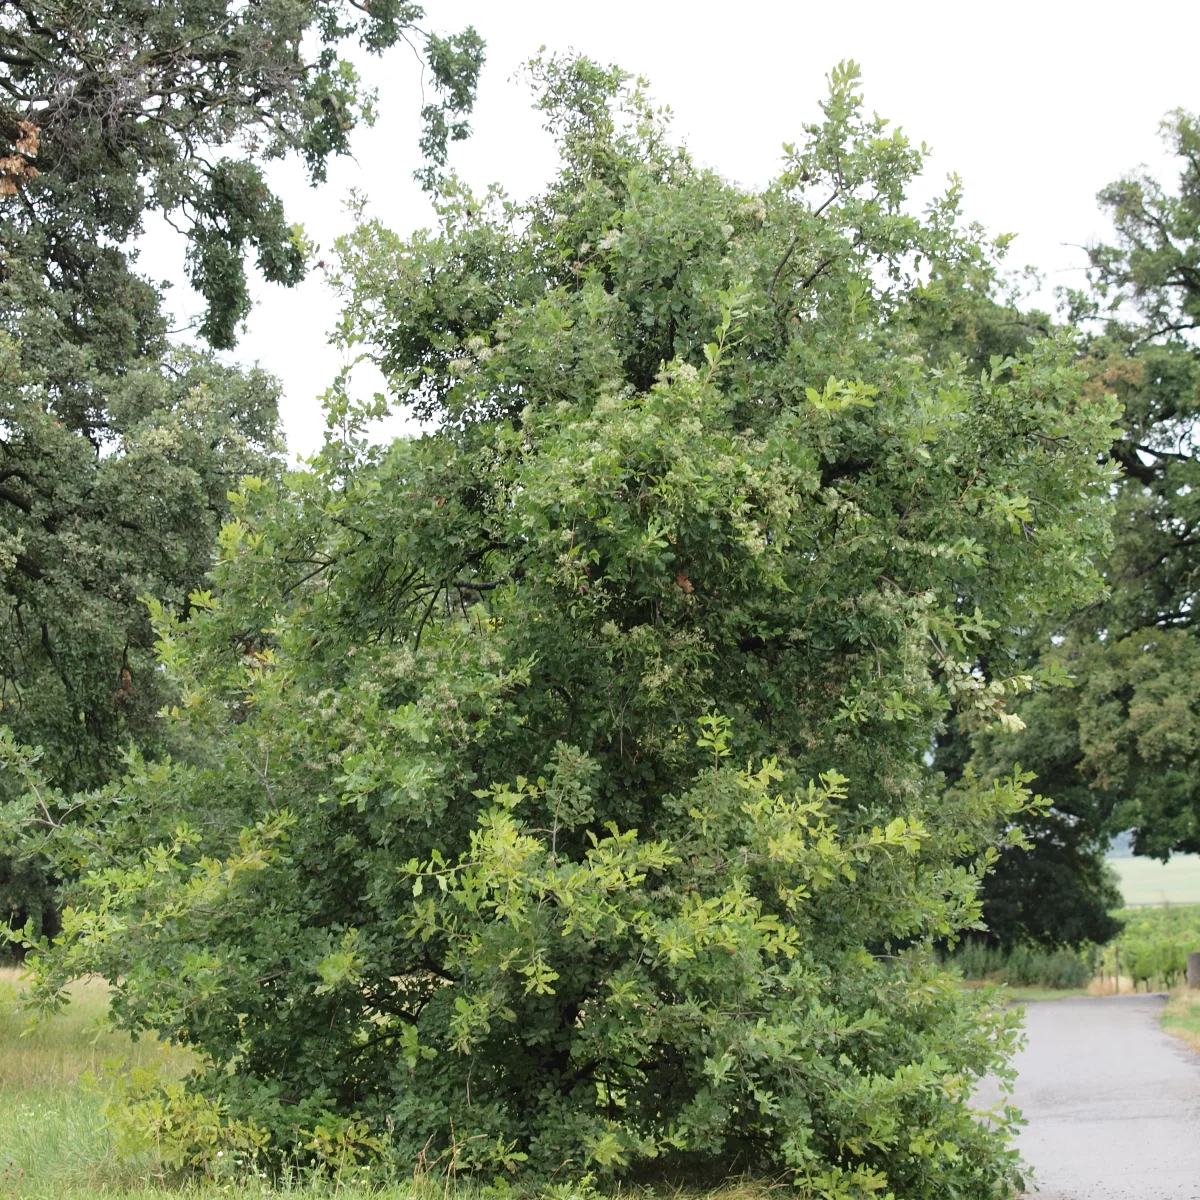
x=1113, y=1103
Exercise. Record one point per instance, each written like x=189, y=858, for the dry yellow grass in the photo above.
x=1103, y=985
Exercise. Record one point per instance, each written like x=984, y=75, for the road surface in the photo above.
x=1113, y=1103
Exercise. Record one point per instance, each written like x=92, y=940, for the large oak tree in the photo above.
x=554, y=791
x=1121, y=750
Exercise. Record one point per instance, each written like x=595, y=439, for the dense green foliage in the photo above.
x=1153, y=945
x=551, y=789
x=89, y=527
x=1056, y=890
x=110, y=110
x=1022, y=966
x=117, y=451
x=1153, y=264
x=1121, y=750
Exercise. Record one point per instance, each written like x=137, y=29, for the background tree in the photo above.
x=108, y=110
x=117, y=451
x=1121, y=750
x=1055, y=889
x=459, y=845
x=91, y=526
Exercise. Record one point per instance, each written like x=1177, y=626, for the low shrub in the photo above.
x=1153, y=945
x=1023, y=966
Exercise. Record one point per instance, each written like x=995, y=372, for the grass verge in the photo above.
x=1182, y=1016
x=1023, y=995
x=53, y=1137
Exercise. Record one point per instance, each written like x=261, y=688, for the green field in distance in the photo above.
x=1148, y=881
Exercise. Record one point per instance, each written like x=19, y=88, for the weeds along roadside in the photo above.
x=1149, y=954
x=1181, y=1016
x=1023, y=966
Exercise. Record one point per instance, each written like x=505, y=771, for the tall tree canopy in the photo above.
x=552, y=791
x=108, y=110
x=1155, y=262
x=1121, y=750
x=117, y=451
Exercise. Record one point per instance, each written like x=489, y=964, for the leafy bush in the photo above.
x=1151, y=949
x=554, y=794
x=1033, y=967
x=1171, y=922
x=1153, y=945
x=1023, y=966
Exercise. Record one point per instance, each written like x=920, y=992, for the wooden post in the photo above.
x=1194, y=970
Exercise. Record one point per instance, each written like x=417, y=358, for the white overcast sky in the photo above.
x=1035, y=105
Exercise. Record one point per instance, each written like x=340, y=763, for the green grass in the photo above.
x=1022, y=995
x=52, y=1132
x=1148, y=881
x=1182, y=1017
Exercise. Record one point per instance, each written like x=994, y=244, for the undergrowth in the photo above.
x=56, y=1142
x=1023, y=966
x=53, y=1134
